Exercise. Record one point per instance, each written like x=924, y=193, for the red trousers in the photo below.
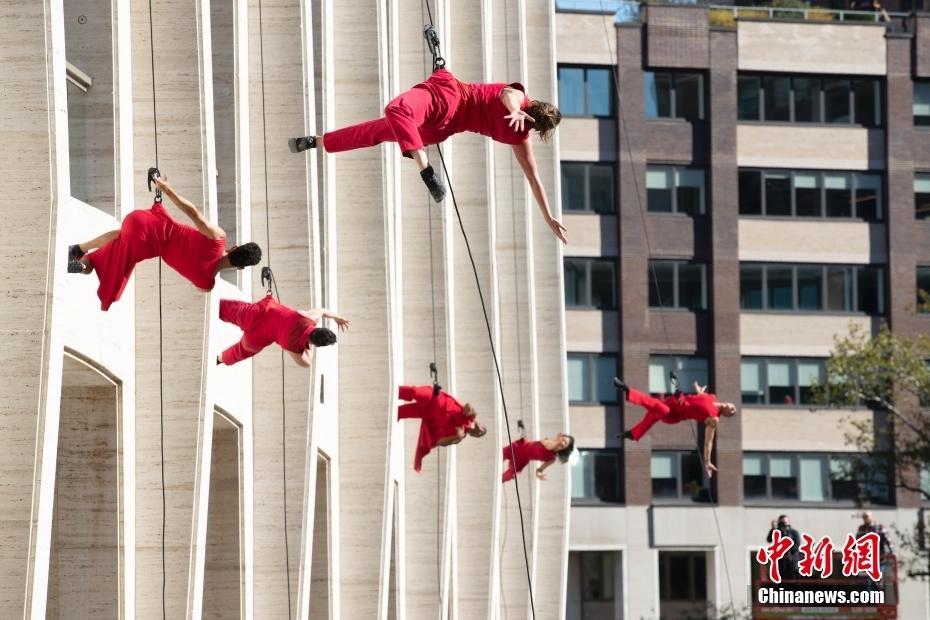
x=421, y=394
x=405, y=122
x=245, y=316
x=656, y=411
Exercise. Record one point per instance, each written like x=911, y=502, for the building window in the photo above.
x=676, y=475
x=670, y=94
x=590, y=378
x=596, y=476
x=677, y=284
x=810, y=193
x=812, y=288
x=922, y=103
x=683, y=579
x=597, y=577
x=675, y=189
x=588, y=187
x=586, y=91
x=813, y=477
x=590, y=283
x=810, y=99
x=922, y=196
x=689, y=369
x=779, y=380
x=923, y=286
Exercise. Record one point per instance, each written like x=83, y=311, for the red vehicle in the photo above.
x=873, y=611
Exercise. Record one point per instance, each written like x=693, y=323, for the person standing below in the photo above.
x=885, y=546
x=196, y=252
x=700, y=406
x=444, y=421
x=788, y=564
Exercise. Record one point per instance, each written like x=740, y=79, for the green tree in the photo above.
x=890, y=375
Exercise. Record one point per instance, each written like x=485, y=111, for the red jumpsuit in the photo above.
x=431, y=112
x=147, y=233
x=264, y=322
x=440, y=417
x=671, y=410
x=520, y=453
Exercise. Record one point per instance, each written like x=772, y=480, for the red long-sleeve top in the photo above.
x=521, y=452
x=440, y=417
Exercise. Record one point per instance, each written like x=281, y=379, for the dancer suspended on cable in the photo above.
x=444, y=421
x=196, y=252
x=701, y=406
x=519, y=454
x=268, y=321
x=442, y=106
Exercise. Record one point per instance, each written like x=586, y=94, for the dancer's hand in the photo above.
x=557, y=229
x=516, y=119
x=699, y=389
x=342, y=323
x=540, y=475
x=161, y=182
x=710, y=469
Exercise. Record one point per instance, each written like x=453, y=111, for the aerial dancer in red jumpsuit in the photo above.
x=267, y=321
x=443, y=106
x=700, y=406
x=444, y=421
x=519, y=454
x=196, y=252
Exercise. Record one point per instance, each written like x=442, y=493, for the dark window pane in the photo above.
x=571, y=90
x=573, y=187
x=688, y=96
x=699, y=562
x=777, y=194
x=663, y=471
x=777, y=98
x=606, y=371
x=865, y=93
x=807, y=194
x=784, y=488
x=869, y=290
x=658, y=95
x=600, y=92
x=754, y=487
x=867, y=203
x=661, y=285
x=601, y=180
x=838, y=195
x=748, y=97
x=807, y=100
x=680, y=577
x=602, y=284
x=691, y=286
x=780, y=288
x=922, y=103
x=836, y=100
x=843, y=485
x=692, y=475
x=606, y=476
x=923, y=283
x=689, y=200
x=659, y=200
x=810, y=288
x=659, y=186
x=750, y=192
x=576, y=283
x=922, y=196
x=839, y=289
x=750, y=287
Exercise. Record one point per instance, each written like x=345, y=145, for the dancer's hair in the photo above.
x=245, y=255
x=566, y=452
x=546, y=117
x=322, y=337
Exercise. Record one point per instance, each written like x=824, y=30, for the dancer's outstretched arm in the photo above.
x=208, y=230
x=524, y=154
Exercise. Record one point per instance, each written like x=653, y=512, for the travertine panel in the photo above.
x=816, y=147
x=812, y=241
x=825, y=430
x=588, y=139
x=844, y=49
x=585, y=38
x=812, y=335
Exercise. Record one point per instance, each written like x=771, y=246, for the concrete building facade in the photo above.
x=751, y=196
x=286, y=492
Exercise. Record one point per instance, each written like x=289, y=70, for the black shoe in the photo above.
x=433, y=183
x=625, y=435
x=75, y=266
x=299, y=145
x=620, y=385
x=75, y=252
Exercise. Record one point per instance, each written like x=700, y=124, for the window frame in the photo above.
x=826, y=458
x=675, y=171
x=681, y=496
x=665, y=578
x=920, y=269
x=676, y=293
x=880, y=269
x=587, y=166
x=878, y=121
x=856, y=178
x=588, y=262
x=921, y=175
x=673, y=95
x=591, y=368
x=594, y=500
x=764, y=379
x=611, y=90
x=676, y=359
x=917, y=125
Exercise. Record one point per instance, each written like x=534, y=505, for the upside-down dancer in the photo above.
x=442, y=106
x=196, y=252
x=444, y=421
x=518, y=454
x=267, y=321
x=700, y=406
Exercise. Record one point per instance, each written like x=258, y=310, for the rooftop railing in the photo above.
x=813, y=13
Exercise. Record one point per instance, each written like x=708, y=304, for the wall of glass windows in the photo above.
x=779, y=380
x=811, y=477
x=589, y=187
x=586, y=91
x=673, y=94
x=783, y=287
x=677, y=475
x=810, y=193
x=590, y=378
x=677, y=284
x=809, y=99
x=688, y=368
x=675, y=189
x=590, y=283
x=596, y=476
